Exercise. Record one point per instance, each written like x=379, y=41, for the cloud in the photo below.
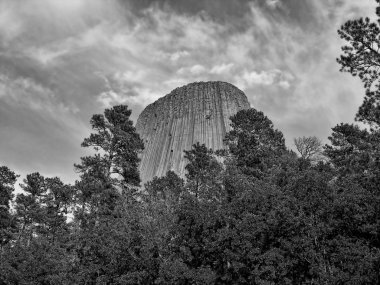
x=10, y=26
x=197, y=69
x=25, y=92
x=273, y=4
x=109, y=98
x=62, y=61
x=176, y=82
x=284, y=84
x=38, y=129
x=126, y=88
x=179, y=54
x=143, y=96
x=249, y=79
x=263, y=77
x=194, y=70
x=222, y=68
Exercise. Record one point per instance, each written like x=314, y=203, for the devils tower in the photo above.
x=197, y=112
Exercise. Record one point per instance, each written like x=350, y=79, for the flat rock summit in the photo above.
x=197, y=112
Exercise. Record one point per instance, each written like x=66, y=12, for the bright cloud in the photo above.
x=249, y=79
x=273, y=3
x=179, y=54
x=222, y=68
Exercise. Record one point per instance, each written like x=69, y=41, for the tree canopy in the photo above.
x=252, y=213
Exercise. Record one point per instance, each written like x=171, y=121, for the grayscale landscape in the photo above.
x=189, y=142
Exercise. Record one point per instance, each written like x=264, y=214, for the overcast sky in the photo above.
x=63, y=60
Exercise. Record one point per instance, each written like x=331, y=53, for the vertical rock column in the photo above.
x=197, y=112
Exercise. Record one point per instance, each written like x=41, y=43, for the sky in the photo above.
x=61, y=61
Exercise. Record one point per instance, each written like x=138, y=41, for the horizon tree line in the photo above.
x=261, y=215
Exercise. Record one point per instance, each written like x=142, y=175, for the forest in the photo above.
x=253, y=213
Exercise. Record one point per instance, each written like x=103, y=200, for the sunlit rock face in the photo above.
x=197, y=112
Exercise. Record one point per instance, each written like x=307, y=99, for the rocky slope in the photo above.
x=197, y=112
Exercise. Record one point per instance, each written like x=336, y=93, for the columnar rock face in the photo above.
x=197, y=112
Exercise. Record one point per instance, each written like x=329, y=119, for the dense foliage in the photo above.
x=253, y=213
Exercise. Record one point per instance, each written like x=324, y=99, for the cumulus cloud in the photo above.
x=194, y=70
x=126, y=88
x=179, y=54
x=263, y=77
x=62, y=61
x=222, y=68
x=249, y=79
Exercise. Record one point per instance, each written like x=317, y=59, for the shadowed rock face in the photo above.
x=197, y=112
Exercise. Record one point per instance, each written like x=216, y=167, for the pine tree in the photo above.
x=361, y=57
x=7, y=223
x=254, y=142
x=108, y=240
x=203, y=172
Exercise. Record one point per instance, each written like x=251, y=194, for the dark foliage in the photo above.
x=7, y=222
x=253, y=213
x=361, y=57
x=254, y=142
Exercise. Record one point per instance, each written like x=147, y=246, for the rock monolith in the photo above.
x=197, y=112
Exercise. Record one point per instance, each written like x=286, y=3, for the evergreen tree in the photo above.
x=361, y=57
x=7, y=223
x=116, y=139
x=162, y=200
x=30, y=207
x=167, y=188
x=203, y=172
x=114, y=168
x=43, y=234
x=355, y=152
x=254, y=142
x=108, y=237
